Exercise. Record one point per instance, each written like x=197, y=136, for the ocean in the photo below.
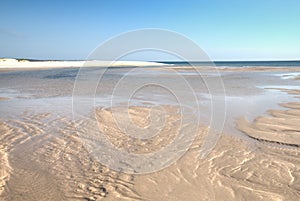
x=238, y=63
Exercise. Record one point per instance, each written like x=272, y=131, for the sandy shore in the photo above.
x=43, y=155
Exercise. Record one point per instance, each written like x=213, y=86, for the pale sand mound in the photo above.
x=25, y=64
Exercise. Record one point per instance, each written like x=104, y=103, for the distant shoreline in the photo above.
x=7, y=63
x=11, y=63
x=282, y=63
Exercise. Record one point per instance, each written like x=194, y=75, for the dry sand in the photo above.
x=43, y=158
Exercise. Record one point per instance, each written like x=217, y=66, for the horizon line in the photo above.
x=161, y=61
x=233, y=60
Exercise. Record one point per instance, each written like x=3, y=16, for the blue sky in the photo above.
x=224, y=29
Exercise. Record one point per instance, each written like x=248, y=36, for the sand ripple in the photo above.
x=281, y=127
x=43, y=159
x=267, y=168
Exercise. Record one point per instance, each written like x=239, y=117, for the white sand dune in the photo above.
x=14, y=63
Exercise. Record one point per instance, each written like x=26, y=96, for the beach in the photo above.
x=51, y=149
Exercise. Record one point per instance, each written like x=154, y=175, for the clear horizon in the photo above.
x=225, y=30
x=279, y=60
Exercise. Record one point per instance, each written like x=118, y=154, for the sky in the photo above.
x=224, y=29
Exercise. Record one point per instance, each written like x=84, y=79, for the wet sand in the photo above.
x=267, y=168
x=44, y=157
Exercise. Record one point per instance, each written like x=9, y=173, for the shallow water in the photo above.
x=247, y=93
